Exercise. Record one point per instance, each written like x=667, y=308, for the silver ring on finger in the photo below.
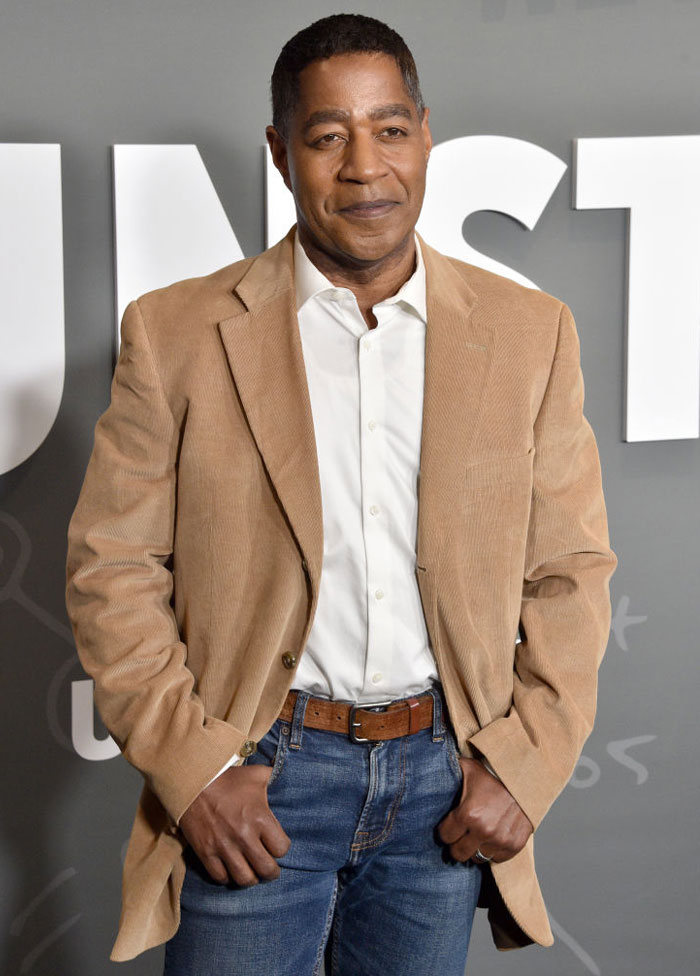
x=481, y=858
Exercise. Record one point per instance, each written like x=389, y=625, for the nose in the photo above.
x=362, y=160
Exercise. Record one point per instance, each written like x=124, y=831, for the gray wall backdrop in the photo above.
x=618, y=853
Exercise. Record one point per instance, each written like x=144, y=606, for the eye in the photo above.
x=327, y=139
x=394, y=132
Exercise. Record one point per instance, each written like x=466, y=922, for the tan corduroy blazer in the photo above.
x=196, y=546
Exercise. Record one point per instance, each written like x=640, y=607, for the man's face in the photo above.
x=354, y=158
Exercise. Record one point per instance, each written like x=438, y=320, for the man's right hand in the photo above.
x=232, y=829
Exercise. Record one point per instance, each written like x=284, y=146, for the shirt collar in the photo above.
x=310, y=283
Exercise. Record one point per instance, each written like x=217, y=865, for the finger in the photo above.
x=250, y=845
x=501, y=854
x=215, y=868
x=261, y=862
x=273, y=836
x=239, y=870
x=452, y=827
x=465, y=848
x=264, y=867
x=503, y=843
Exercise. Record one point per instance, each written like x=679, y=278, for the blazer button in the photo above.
x=289, y=660
x=248, y=747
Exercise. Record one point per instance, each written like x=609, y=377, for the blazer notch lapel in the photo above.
x=265, y=356
x=459, y=354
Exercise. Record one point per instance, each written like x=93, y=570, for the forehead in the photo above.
x=352, y=83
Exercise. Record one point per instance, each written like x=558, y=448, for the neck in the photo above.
x=370, y=283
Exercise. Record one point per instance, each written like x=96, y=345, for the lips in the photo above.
x=368, y=209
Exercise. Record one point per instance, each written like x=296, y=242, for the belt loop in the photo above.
x=298, y=719
x=413, y=704
x=438, y=724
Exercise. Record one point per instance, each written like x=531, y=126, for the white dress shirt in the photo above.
x=369, y=640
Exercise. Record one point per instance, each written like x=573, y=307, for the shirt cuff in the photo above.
x=233, y=761
x=489, y=767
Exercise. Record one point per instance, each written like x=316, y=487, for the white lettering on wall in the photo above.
x=476, y=173
x=280, y=212
x=82, y=724
x=32, y=343
x=169, y=222
x=657, y=180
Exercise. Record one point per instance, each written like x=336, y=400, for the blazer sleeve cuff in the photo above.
x=520, y=767
x=181, y=775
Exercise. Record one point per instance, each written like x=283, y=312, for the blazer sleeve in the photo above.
x=565, y=610
x=120, y=586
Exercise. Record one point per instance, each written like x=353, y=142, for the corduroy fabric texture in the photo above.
x=195, y=550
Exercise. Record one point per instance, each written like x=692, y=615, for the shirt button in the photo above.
x=248, y=747
x=374, y=509
x=289, y=660
x=372, y=424
x=379, y=594
x=367, y=344
x=377, y=677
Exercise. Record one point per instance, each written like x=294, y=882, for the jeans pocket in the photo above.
x=272, y=750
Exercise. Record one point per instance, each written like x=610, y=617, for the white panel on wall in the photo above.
x=658, y=180
x=32, y=341
x=476, y=173
x=169, y=221
x=280, y=212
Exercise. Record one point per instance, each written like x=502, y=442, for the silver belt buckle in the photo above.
x=353, y=724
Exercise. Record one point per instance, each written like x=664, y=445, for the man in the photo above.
x=348, y=472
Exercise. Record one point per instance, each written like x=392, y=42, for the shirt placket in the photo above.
x=373, y=459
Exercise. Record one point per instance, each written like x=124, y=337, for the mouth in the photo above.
x=369, y=209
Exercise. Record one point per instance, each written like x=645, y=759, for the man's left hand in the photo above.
x=487, y=818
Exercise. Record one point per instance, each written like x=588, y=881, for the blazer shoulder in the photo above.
x=495, y=288
x=194, y=302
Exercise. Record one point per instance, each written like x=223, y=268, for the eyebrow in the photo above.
x=390, y=112
x=378, y=114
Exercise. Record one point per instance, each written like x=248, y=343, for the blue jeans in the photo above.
x=366, y=885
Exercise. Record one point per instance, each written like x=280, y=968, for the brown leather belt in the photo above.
x=403, y=717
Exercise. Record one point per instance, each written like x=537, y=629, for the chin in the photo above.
x=371, y=248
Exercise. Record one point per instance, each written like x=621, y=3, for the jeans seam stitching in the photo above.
x=392, y=815
x=280, y=757
x=452, y=756
x=329, y=921
x=335, y=936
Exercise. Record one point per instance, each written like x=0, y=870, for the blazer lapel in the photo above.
x=263, y=347
x=459, y=351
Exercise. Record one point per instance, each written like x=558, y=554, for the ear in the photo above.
x=278, y=150
x=427, y=137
